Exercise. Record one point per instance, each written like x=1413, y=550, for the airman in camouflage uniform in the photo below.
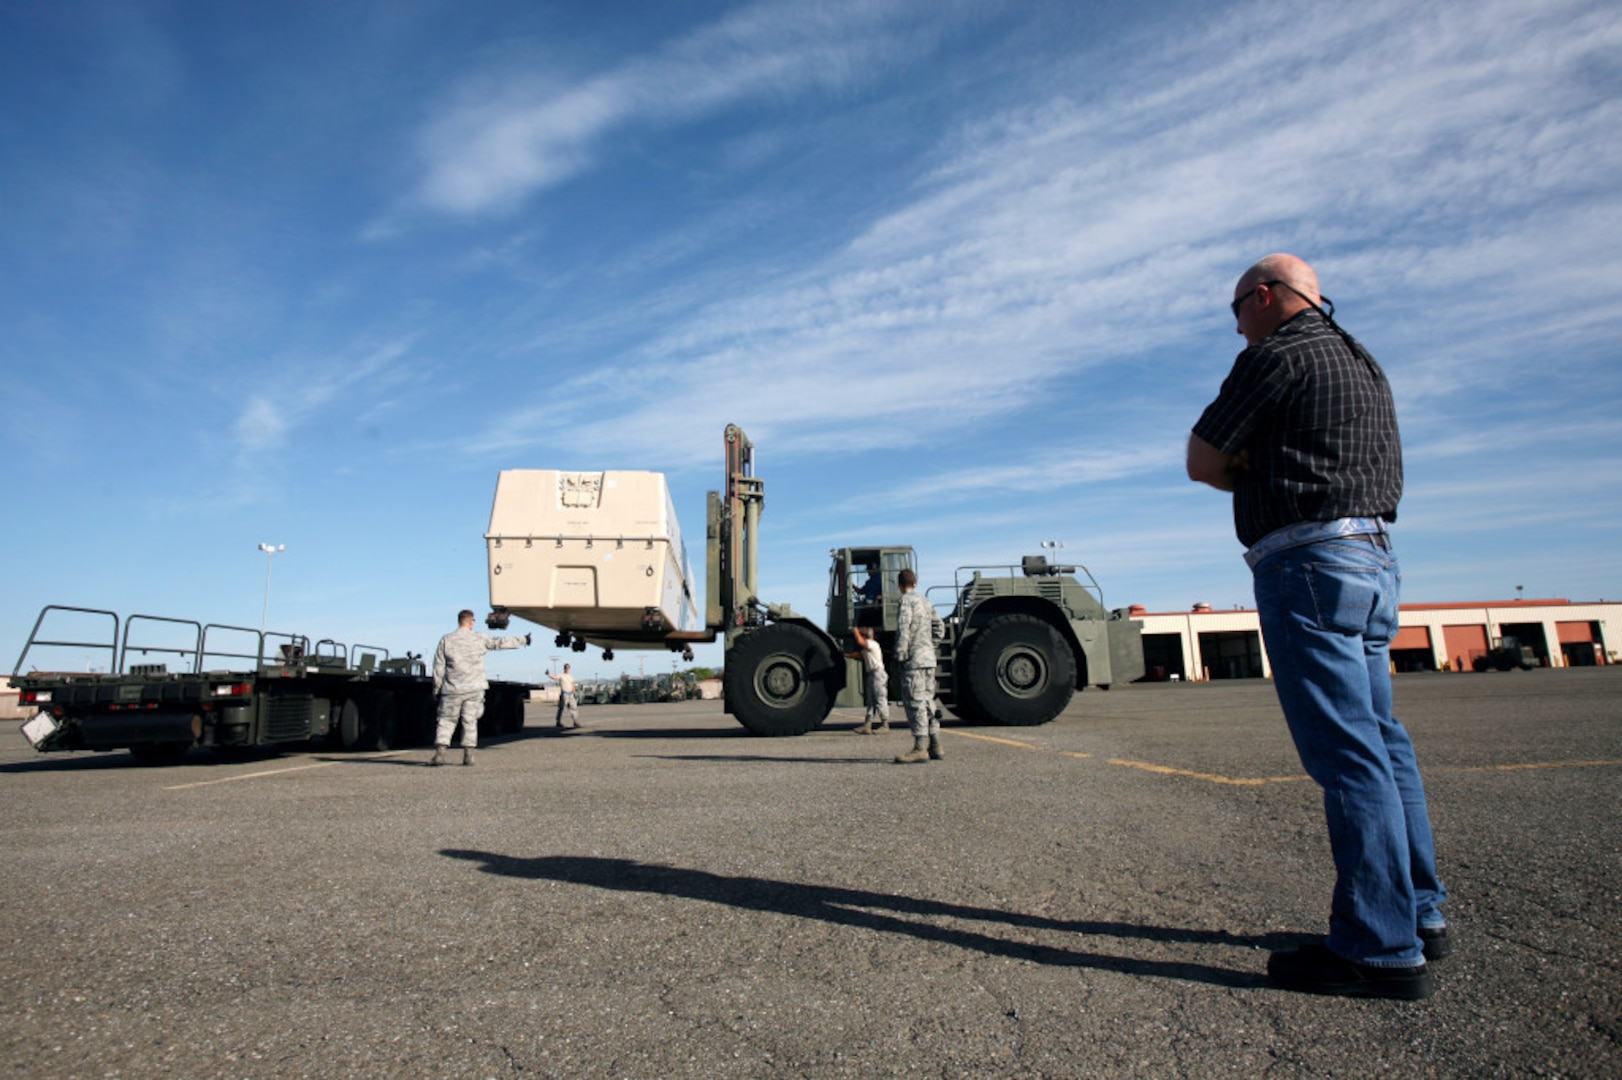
x=877, y=679
x=460, y=682
x=917, y=630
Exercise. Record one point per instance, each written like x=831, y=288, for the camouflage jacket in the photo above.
x=459, y=660
x=917, y=629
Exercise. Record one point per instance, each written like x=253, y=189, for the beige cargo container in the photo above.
x=595, y=555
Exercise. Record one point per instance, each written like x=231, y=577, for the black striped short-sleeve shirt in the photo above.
x=1320, y=427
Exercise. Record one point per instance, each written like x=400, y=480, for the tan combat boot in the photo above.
x=467, y=755
x=935, y=749
x=865, y=729
x=919, y=752
x=439, y=756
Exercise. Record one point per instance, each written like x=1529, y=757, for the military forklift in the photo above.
x=1018, y=642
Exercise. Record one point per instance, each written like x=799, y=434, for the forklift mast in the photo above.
x=732, y=535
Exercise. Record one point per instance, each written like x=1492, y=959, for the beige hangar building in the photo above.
x=1204, y=643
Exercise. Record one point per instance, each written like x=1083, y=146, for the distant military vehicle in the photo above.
x=681, y=686
x=1506, y=654
x=636, y=690
x=594, y=693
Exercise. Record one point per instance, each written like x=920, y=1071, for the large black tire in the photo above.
x=379, y=717
x=366, y=721
x=965, y=708
x=782, y=680
x=1016, y=671
x=346, y=724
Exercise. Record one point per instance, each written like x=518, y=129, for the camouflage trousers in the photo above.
x=464, y=708
x=568, y=706
x=920, y=702
x=878, y=696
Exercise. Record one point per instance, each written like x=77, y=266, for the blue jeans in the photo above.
x=1328, y=616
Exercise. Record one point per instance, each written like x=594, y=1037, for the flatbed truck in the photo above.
x=235, y=688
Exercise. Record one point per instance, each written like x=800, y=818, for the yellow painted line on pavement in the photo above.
x=1163, y=770
x=1014, y=742
x=1243, y=781
x=1214, y=778
x=1527, y=765
x=278, y=772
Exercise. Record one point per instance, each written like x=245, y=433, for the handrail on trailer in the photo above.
x=340, y=651
x=119, y=647
x=111, y=646
x=299, y=641
x=129, y=625
x=377, y=652
x=258, y=659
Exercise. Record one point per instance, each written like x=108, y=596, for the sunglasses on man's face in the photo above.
x=1242, y=297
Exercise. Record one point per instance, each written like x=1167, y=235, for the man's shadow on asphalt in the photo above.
x=893, y=914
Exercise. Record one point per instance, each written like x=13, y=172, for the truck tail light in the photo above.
x=36, y=697
x=231, y=690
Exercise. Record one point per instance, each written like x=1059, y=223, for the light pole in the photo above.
x=270, y=559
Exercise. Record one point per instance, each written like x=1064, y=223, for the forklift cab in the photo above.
x=862, y=588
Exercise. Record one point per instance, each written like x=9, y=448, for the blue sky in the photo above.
x=313, y=273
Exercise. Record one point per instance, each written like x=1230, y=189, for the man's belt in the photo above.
x=1312, y=532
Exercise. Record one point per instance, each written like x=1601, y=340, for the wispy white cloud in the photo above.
x=1460, y=439
x=1050, y=474
x=1097, y=230
x=508, y=136
x=308, y=389
x=261, y=427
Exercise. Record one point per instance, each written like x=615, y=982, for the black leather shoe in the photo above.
x=1438, y=945
x=1313, y=969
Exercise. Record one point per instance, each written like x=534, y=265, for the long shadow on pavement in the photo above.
x=771, y=758
x=854, y=907
x=674, y=733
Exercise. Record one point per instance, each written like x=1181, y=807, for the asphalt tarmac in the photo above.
x=662, y=895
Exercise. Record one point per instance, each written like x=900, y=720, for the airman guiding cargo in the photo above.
x=460, y=682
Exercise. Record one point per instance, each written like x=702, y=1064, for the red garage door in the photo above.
x=1412, y=637
x=1464, y=644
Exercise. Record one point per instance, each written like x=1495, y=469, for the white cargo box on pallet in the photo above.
x=595, y=554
